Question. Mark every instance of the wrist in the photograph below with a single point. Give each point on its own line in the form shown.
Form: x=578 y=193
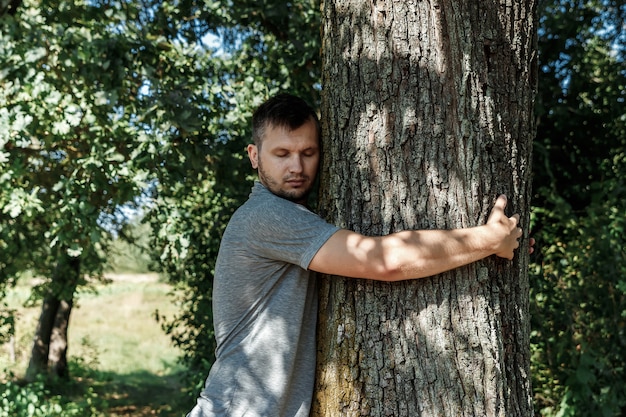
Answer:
x=489 y=240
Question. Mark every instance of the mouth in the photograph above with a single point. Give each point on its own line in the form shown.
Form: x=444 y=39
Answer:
x=296 y=182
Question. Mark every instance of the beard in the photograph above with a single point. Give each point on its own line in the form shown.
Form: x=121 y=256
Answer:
x=298 y=195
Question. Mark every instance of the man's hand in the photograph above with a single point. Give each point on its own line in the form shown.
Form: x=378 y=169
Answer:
x=505 y=230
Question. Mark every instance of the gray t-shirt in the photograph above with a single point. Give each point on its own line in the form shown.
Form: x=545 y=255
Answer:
x=265 y=311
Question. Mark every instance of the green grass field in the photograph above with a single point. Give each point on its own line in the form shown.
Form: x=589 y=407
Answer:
x=117 y=344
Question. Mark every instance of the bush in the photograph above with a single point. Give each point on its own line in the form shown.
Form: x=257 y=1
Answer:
x=578 y=295
x=36 y=400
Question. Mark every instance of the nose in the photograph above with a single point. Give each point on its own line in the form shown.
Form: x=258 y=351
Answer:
x=295 y=164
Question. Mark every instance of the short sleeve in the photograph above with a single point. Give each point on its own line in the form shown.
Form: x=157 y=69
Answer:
x=289 y=232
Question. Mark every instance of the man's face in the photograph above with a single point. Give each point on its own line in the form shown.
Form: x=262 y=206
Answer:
x=287 y=161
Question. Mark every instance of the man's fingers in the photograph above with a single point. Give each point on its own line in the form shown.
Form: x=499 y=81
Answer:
x=501 y=202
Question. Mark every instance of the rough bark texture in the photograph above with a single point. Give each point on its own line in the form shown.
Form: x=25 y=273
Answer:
x=59 y=340
x=38 y=362
x=426 y=118
x=49 y=352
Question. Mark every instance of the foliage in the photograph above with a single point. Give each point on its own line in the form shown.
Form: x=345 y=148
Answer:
x=97 y=102
x=7 y=322
x=107 y=103
x=64 y=146
x=65 y=143
x=580 y=295
x=35 y=400
x=578 y=278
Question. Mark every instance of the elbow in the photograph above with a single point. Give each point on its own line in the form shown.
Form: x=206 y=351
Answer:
x=388 y=265
x=393 y=270
x=390 y=271
x=381 y=259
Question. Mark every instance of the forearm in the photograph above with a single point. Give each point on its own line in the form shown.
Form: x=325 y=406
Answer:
x=418 y=253
x=423 y=253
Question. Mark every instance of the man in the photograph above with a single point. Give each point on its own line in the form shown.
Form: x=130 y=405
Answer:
x=264 y=295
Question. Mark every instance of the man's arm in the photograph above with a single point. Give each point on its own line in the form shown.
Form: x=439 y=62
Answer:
x=418 y=253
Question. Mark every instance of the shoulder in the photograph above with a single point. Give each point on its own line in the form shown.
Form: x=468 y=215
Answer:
x=268 y=214
x=278 y=229
x=265 y=206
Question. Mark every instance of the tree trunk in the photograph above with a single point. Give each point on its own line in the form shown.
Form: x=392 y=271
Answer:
x=38 y=363
x=59 y=342
x=426 y=119
x=49 y=352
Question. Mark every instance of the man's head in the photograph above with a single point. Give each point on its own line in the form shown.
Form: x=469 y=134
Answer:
x=286 y=147
x=282 y=110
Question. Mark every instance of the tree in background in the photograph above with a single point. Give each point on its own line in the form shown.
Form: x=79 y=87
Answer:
x=427 y=115
x=64 y=151
x=578 y=279
x=94 y=109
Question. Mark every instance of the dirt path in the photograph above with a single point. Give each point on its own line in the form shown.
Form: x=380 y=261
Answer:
x=131 y=277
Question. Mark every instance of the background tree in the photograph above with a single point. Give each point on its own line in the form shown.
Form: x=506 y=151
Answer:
x=427 y=117
x=109 y=101
x=95 y=108
x=64 y=149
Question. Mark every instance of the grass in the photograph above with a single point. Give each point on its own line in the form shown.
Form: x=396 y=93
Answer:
x=116 y=345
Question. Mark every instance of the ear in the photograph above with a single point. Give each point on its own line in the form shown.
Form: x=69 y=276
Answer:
x=253 y=154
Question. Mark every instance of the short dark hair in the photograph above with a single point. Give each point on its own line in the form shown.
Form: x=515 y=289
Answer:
x=282 y=110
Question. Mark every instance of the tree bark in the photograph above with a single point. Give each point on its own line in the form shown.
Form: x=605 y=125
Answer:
x=49 y=352
x=57 y=360
x=38 y=363
x=59 y=341
x=426 y=119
